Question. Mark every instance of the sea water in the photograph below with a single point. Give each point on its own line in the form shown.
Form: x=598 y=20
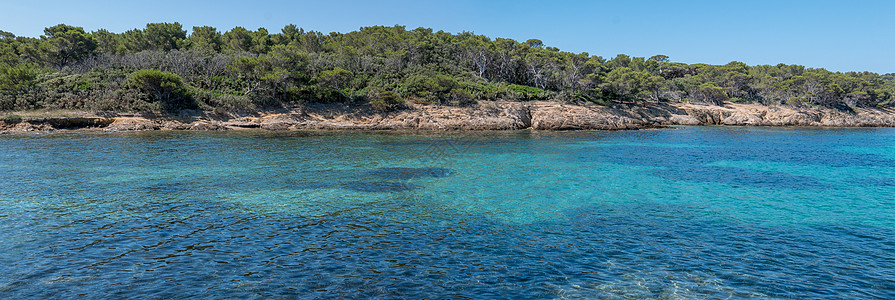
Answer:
x=689 y=212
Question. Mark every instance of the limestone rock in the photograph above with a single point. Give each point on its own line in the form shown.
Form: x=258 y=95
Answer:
x=25 y=127
x=207 y=126
x=132 y=124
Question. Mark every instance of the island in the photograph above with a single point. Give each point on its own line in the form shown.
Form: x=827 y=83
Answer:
x=390 y=78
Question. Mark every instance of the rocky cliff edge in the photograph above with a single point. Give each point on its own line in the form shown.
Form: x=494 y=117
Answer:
x=486 y=115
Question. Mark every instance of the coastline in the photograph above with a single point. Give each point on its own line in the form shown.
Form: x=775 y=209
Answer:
x=486 y=115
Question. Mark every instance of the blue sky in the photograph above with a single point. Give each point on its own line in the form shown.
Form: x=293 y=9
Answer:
x=839 y=36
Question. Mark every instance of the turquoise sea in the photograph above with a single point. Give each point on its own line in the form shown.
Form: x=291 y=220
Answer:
x=689 y=212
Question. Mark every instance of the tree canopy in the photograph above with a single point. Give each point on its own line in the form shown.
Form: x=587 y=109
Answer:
x=68 y=67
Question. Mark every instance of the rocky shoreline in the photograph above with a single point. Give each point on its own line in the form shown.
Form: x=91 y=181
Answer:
x=487 y=115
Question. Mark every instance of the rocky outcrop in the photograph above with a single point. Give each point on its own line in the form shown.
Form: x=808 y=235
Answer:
x=487 y=115
x=277 y=122
x=132 y=124
x=30 y=125
x=759 y=115
x=553 y=116
x=241 y=124
x=207 y=126
x=21 y=127
x=165 y=124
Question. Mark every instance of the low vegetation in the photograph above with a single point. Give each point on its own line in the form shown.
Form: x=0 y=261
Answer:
x=161 y=68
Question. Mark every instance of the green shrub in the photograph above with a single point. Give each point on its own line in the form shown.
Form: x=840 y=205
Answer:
x=710 y=93
x=385 y=101
x=18 y=77
x=11 y=118
x=167 y=88
x=299 y=94
x=593 y=96
x=460 y=97
x=485 y=91
x=430 y=88
x=336 y=79
x=796 y=101
x=209 y=100
x=527 y=93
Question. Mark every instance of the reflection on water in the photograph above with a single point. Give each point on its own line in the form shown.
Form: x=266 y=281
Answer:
x=694 y=212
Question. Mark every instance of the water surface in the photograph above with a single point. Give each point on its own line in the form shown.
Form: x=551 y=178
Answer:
x=692 y=212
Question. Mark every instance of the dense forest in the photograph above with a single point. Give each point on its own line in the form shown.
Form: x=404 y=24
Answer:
x=161 y=68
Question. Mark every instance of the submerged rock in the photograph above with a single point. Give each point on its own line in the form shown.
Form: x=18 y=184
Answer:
x=378 y=186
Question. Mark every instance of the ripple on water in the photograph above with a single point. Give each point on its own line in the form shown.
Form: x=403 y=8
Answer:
x=378 y=186
x=527 y=215
x=411 y=173
x=742 y=177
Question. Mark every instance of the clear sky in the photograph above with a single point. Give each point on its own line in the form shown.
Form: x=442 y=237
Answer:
x=837 y=35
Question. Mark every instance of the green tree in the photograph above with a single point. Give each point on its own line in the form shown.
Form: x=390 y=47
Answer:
x=260 y=41
x=261 y=75
x=63 y=44
x=336 y=79
x=107 y=42
x=535 y=43
x=8 y=52
x=18 y=77
x=237 y=39
x=167 y=88
x=627 y=83
x=290 y=35
x=134 y=41
x=659 y=58
x=710 y=93
x=385 y=101
x=205 y=38
x=620 y=61
x=164 y=36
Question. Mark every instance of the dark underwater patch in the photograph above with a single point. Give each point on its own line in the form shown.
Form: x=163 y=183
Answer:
x=410 y=173
x=877 y=181
x=378 y=186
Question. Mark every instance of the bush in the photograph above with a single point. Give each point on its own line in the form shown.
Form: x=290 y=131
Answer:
x=11 y=118
x=167 y=88
x=18 y=77
x=710 y=93
x=593 y=96
x=336 y=79
x=460 y=97
x=385 y=101
x=796 y=101
x=430 y=88
x=527 y=93
x=222 y=102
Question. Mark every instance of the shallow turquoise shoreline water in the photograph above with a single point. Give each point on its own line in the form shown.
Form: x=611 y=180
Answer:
x=691 y=212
